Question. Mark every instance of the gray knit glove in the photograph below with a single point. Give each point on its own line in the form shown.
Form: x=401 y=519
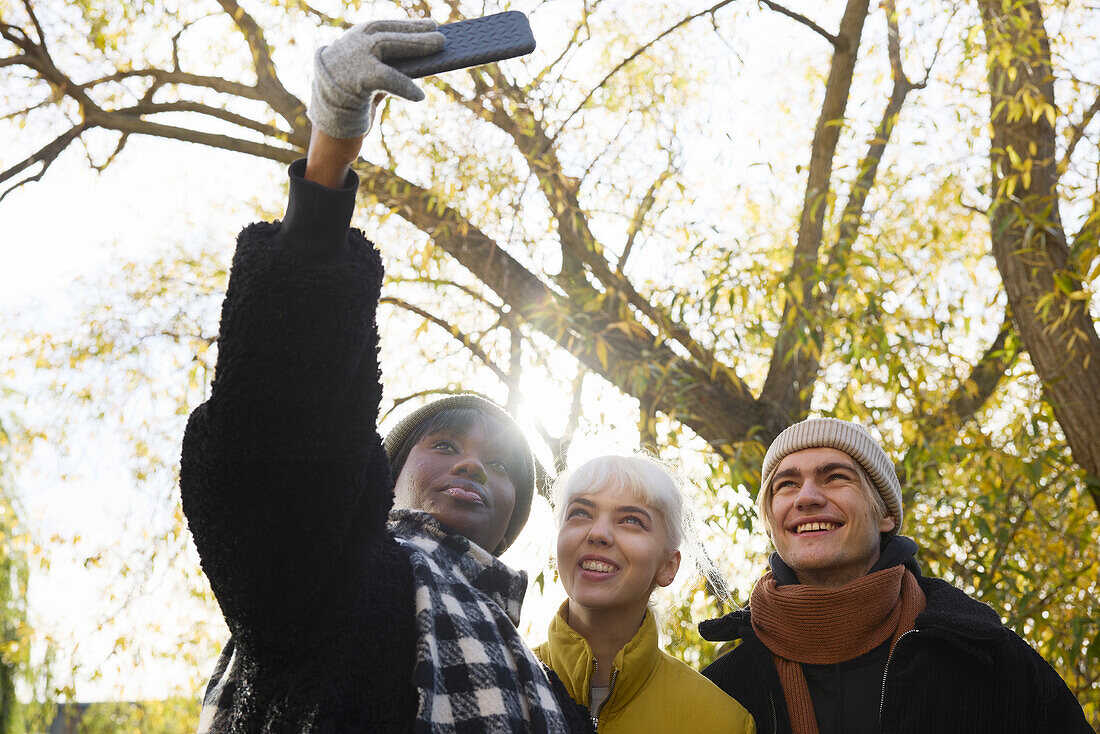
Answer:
x=349 y=73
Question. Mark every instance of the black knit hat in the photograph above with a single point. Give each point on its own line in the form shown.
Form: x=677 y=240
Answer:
x=524 y=480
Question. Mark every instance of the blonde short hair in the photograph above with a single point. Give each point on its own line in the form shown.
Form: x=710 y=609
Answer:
x=647 y=478
x=654 y=483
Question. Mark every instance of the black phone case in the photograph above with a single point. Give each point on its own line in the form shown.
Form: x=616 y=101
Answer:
x=473 y=42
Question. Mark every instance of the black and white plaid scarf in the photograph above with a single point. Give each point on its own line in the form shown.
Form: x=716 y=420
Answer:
x=473 y=671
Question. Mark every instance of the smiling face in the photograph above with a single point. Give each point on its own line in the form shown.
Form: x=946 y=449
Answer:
x=461 y=477
x=612 y=551
x=823 y=522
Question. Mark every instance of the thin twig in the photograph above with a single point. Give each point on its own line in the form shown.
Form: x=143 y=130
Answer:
x=465 y=339
x=1077 y=132
x=638 y=52
x=798 y=17
x=37 y=25
x=640 y=214
x=45 y=155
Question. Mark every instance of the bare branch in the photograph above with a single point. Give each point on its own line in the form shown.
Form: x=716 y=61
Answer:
x=852 y=215
x=793 y=367
x=45 y=155
x=515 y=362
x=705 y=357
x=37 y=26
x=571 y=46
x=25 y=111
x=974 y=391
x=161 y=77
x=419 y=394
x=479 y=297
x=286 y=104
x=625 y=62
x=640 y=214
x=138 y=126
x=559 y=445
x=578 y=243
x=324 y=18
x=893 y=43
x=798 y=17
x=21 y=59
x=1077 y=132
x=466 y=340
x=201 y=109
x=101 y=167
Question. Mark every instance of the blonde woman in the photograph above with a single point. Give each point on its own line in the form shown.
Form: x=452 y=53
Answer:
x=621 y=521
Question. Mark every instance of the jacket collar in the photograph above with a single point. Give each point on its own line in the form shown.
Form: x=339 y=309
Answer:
x=462 y=557
x=570 y=656
x=953 y=616
x=949 y=613
x=893 y=550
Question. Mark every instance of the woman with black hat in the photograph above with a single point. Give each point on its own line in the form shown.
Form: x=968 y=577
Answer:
x=346 y=617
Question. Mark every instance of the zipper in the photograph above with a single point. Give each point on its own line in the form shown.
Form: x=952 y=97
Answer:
x=886 y=670
x=775 y=719
x=595 y=715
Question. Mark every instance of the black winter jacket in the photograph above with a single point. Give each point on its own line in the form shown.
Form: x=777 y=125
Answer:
x=959 y=670
x=286 y=486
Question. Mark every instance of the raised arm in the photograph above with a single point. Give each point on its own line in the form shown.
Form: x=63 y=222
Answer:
x=283 y=478
x=329 y=160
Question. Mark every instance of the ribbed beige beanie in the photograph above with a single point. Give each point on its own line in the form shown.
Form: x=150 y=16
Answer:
x=851 y=438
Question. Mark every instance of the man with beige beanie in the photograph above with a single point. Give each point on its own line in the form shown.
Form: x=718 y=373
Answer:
x=844 y=634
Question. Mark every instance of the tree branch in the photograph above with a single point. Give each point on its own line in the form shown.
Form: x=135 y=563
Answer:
x=577 y=239
x=286 y=104
x=1050 y=306
x=154 y=108
x=463 y=338
x=101 y=167
x=788 y=386
x=161 y=77
x=138 y=126
x=599 y=340
x=640 y=214
x=45 y=155
x=559 y=445
x=324 y=18
x=798 y=17
x=1077 y=132
x=475 y=295
x=20 y=60
x=37 y=26
x=515 y=362
x=625 y=62
x=571 y=46
x=969 y=397
x=851 y=219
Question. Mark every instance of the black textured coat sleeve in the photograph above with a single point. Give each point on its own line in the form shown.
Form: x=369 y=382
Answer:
x=283 y=478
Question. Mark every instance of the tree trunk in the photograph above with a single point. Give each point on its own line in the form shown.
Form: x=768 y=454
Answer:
x=1049 y=305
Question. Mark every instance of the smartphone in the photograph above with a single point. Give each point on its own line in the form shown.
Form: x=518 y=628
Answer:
x=473 y=42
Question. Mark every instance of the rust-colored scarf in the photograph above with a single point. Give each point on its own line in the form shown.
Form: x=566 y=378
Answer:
x=807 y=624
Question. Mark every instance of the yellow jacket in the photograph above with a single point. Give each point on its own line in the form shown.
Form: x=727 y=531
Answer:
x=650 y=690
